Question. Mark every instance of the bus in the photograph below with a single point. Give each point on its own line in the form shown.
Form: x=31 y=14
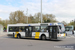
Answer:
x=37 y=31
x=69 y=30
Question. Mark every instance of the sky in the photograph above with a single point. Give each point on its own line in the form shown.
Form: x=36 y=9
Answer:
x=64 y=10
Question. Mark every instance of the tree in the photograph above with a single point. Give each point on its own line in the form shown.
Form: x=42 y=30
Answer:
x=47 y=18
x=37 y=18
x=31 y=19
x=64 y=22
x=17 y=17
x=71 y=23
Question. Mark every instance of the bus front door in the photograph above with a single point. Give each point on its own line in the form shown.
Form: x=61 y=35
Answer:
x=28 y=31
x=53 y=32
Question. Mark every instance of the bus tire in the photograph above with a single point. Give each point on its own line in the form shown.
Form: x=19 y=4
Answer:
x=13 y=35
x=19 y=36
x=43 y=37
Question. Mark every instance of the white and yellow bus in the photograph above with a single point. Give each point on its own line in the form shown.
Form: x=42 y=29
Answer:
x=38 y=31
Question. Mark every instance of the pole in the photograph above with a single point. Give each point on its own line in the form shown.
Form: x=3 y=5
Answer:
x=27 y=15
x=41 y=11
x=74 y=23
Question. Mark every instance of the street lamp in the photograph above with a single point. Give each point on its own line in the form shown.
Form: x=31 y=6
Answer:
x=41 y=11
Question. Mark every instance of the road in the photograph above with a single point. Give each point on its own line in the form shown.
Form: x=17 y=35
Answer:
x=9 y=43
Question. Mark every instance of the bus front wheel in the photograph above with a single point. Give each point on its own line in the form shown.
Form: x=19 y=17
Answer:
x=43 y=37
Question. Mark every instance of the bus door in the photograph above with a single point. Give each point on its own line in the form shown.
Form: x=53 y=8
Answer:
x=53 y=30
x=28 y=31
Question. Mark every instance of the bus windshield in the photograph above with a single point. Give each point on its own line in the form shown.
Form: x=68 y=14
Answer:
x=61 y=27
x=60 y=30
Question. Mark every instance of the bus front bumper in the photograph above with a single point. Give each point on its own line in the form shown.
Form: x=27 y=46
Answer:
x=63 y=37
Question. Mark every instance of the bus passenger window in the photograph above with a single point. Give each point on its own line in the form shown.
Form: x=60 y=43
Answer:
x=10 y=29
x=22 y=29
x=13 y=29
x=16 y=28
x=44 y=29
x=36 y=29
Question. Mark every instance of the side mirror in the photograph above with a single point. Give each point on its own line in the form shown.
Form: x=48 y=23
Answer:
x=58 y=31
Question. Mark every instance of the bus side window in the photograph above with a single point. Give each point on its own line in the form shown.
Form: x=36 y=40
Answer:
x=16 y=29
x=21 y=29
x=10 y=29
x=44 y=29
x=36 y=29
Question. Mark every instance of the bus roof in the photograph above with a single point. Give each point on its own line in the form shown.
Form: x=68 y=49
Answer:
x=34 y=24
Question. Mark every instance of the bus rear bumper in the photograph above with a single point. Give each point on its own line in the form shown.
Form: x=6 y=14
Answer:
x=9 y=34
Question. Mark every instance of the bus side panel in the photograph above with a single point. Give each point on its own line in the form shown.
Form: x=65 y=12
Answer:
x=69 y=32
x=35 y=35
x=16 y=33
x=45 y=33
x=22 y=34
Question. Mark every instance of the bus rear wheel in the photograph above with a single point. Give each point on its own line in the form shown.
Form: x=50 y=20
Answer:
x=43 y=37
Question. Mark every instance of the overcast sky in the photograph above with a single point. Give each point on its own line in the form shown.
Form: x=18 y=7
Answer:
x=64 y=10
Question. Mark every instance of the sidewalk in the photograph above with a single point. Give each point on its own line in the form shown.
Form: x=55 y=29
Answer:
x=3 y=33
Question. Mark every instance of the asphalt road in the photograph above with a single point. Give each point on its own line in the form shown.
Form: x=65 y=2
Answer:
x=9 y=43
